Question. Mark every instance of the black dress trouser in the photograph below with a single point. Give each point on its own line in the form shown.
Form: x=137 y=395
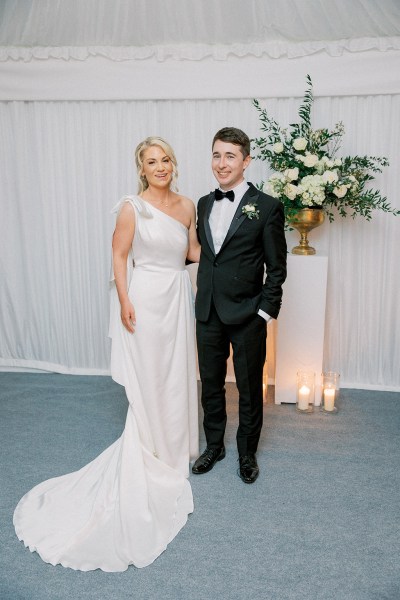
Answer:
x=249 y=349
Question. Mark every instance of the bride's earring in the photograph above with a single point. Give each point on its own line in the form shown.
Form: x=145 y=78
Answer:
x=143 y=180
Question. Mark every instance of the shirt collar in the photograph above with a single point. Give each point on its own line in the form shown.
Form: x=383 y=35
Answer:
x=240 y=189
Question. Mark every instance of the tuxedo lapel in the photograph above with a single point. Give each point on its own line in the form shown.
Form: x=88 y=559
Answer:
x=239 y=217
x=207 y=228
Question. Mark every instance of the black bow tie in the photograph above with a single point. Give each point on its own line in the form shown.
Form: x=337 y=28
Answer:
x=220 y=194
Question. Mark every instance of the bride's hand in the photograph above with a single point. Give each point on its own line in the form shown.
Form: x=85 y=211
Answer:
x=128 y=317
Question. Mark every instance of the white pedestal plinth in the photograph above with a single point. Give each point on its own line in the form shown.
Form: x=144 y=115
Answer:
x=301 y=325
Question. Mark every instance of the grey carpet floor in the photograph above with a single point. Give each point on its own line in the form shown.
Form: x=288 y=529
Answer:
x=321 y=522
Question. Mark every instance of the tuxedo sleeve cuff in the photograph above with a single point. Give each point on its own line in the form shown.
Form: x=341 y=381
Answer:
x=264 y=315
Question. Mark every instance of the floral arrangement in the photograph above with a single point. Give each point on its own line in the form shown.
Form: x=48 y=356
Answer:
x=251 y=211
x=308 y=172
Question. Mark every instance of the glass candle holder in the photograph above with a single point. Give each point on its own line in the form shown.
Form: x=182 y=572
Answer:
x=305 y=391
x=330 y=392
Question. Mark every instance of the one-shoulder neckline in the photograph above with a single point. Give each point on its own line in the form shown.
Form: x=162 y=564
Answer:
x=164 y=213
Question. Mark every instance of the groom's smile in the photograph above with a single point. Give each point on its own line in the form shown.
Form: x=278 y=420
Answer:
x=228 y=164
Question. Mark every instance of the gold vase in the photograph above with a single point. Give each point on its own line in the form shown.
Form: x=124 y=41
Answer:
x=303 y=221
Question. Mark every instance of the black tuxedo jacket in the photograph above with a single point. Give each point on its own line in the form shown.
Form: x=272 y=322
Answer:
x=234 y=278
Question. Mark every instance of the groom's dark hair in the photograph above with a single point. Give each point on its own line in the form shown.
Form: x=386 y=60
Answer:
x=232 y=135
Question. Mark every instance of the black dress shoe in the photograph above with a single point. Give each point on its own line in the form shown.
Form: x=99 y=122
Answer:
x=248 y=468
x=207 y=460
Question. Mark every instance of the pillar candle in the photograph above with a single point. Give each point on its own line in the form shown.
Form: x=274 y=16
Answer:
x=304 y=397
x=329 y=399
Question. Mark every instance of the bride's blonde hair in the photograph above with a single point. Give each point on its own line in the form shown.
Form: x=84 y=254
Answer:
x=140 y=149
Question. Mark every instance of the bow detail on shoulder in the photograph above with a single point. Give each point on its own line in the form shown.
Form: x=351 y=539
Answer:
x=136 y=202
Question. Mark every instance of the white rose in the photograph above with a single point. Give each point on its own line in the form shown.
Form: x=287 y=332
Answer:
x=337 y=162
x=277 y=147
x=330 y=177
x=340 y=191
x=310 y=160
x=290 y=191
x=329 y=163
x=300 y=143
x=292 y=174
x=249 y=208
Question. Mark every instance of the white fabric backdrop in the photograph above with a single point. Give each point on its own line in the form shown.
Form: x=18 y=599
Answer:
x=98 y=78
x=194 y=29
x=64 y=165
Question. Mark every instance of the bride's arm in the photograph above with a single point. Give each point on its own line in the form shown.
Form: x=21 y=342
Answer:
x=194 y=246
x=121 y=244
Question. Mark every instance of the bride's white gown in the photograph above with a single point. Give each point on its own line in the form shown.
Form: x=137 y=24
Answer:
x=126 y=505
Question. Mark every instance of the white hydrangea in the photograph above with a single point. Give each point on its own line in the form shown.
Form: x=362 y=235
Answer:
x=274 y=185
x=312 y=190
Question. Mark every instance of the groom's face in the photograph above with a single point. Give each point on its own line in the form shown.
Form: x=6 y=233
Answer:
x=228 y=164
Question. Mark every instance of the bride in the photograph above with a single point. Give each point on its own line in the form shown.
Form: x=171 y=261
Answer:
x=125 y=506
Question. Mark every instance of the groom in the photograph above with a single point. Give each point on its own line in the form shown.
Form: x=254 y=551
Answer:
x=241 y=231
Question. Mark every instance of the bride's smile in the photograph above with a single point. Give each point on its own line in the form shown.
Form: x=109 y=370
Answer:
x=157 y=167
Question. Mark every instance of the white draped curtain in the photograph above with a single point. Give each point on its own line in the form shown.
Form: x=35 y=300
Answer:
x=70 y=125
x=194 y=29
x=64 y=165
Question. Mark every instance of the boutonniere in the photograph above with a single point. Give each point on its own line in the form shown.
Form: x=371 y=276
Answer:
x=251 y=211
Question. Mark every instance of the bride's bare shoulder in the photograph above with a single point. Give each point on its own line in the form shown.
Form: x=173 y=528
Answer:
x=187 y=203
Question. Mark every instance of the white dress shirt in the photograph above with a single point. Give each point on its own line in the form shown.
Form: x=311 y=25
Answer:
x=222 y=214
x=220 y=220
